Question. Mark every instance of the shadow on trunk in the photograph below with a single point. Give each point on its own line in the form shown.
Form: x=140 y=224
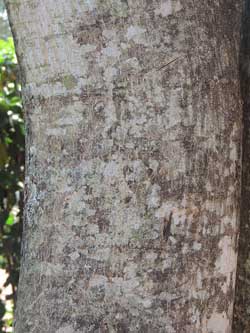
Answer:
x=241 y=320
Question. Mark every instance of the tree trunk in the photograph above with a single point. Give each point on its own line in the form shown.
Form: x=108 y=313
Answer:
x=133 y=117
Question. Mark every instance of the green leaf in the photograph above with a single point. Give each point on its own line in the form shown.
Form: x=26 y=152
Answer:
x=10 y=220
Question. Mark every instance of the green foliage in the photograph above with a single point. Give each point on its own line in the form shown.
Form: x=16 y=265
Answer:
x=11 y=169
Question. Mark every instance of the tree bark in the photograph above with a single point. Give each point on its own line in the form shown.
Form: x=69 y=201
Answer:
x=133 y=117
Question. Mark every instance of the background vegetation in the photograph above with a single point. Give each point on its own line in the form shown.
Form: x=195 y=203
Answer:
x=11 y=169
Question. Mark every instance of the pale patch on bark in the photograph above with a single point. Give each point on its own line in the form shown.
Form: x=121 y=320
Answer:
x=168 y=8
x=218 y=323
x=137 y=34
x=66 y=329
x=226 y=262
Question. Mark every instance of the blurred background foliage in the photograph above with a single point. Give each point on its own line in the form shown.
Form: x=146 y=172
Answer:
x=4 y=24
x=11 y=172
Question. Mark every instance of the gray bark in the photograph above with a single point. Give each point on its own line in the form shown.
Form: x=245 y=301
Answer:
x=133 y=116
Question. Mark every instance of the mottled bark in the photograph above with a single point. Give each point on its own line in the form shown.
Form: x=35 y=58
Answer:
x=133 y=115
x=242 y=296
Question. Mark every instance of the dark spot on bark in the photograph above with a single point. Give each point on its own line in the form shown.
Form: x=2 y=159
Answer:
x=127 y=170
x=127 y=200
x=112 y=130
x=132 y=185
x=120 y=90
x=167 y=227
x=89 y=190
x=150 y=172
x=88 y=34
x=104 y=327
x=100 y=218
